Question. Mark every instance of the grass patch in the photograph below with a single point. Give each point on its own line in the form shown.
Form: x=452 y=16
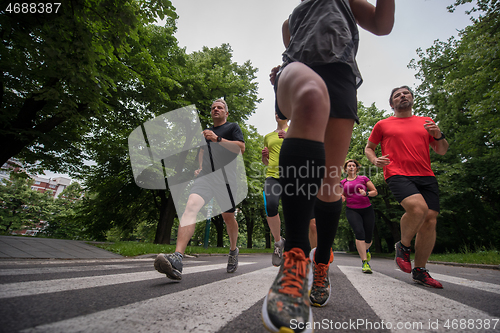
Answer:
x=132 y=249
x=491 y=257
x=484 y=257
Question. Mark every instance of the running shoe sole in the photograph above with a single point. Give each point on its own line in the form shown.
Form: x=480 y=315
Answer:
x=164 y=266
x=271 y=328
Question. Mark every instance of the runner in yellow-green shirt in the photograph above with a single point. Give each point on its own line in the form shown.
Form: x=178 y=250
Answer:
x=272 y=189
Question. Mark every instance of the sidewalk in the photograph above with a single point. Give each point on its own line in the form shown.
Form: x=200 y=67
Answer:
x=17 y=247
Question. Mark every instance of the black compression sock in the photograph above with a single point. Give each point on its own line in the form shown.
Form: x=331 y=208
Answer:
x=301 y=171
x=327 y=216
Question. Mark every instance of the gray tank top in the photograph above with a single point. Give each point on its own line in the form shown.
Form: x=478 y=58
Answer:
x=323 y=32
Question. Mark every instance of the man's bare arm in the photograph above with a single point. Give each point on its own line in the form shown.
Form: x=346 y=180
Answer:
x=378 y=19
x=379 y=162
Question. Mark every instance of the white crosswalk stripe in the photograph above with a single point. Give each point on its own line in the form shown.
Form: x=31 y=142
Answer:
x=49 y=270
x=202 y=309
x=52 y=286
x=57 y=269
x=395 y=303
x=221 y=305
x=489 y=287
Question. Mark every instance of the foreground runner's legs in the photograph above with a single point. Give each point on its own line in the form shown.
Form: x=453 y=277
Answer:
x=302 y=96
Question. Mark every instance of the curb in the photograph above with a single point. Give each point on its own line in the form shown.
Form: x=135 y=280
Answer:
x=194 y=255
x=483 y=266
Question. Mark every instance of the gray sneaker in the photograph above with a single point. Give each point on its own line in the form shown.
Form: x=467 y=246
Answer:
x=232 y=261
x=277 y=257
x=170 y=264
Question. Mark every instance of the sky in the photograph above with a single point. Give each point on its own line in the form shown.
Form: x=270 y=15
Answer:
x=253 y=29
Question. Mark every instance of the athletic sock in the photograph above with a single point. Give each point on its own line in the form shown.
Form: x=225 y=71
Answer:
x=301 y=171
x=327 y=216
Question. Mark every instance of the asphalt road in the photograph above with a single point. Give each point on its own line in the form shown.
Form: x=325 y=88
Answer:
x=128 y=295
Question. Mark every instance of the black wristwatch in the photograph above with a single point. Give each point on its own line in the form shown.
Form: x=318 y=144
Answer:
x=441 y=138
x=219 y=139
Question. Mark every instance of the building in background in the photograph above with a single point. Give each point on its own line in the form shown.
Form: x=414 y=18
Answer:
x=12 y=165
x=41 y=184
x=55 y=185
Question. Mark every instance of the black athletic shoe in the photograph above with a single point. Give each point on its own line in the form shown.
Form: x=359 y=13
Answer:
x=421 y=275
x=232 y=261
x=402 y=258
x=170 y=264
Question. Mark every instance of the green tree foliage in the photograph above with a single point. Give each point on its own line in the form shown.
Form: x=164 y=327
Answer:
x=22 y=207
x=114 y=200
x=460 y=89
x=253 y=221
x=58 y=71
x=62 y=222
x=210 y=74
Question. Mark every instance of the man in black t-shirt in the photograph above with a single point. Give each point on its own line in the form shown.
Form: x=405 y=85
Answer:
x=224 y=143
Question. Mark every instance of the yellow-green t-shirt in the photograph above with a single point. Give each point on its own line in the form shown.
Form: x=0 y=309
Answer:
x=273 y=143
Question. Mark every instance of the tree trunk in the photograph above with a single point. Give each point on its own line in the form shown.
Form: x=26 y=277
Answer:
x=218 y=221
x=376 y=240
x=393 y=227
x=250 y=222
x=167 y=215
x=351 y=246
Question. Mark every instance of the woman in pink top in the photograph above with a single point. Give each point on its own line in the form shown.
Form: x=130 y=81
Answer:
x=359 y=211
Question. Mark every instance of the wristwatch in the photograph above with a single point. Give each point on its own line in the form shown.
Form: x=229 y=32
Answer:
x=219 y=139
x=441 y=138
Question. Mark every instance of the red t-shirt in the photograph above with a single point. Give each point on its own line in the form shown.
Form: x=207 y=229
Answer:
x=407 y=143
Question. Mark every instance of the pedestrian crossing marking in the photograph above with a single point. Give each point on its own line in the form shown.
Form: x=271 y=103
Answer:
x=205 y=308
x=51 y=286
x=394 y=299
x=403 y=301
x=51 y=270
x=71 y=269
x=485 y=286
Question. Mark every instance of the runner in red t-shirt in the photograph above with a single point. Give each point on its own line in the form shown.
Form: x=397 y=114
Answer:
x=405 y=140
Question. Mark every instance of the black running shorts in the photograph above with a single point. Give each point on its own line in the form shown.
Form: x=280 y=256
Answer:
x=404 y=186
x=341 y=84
